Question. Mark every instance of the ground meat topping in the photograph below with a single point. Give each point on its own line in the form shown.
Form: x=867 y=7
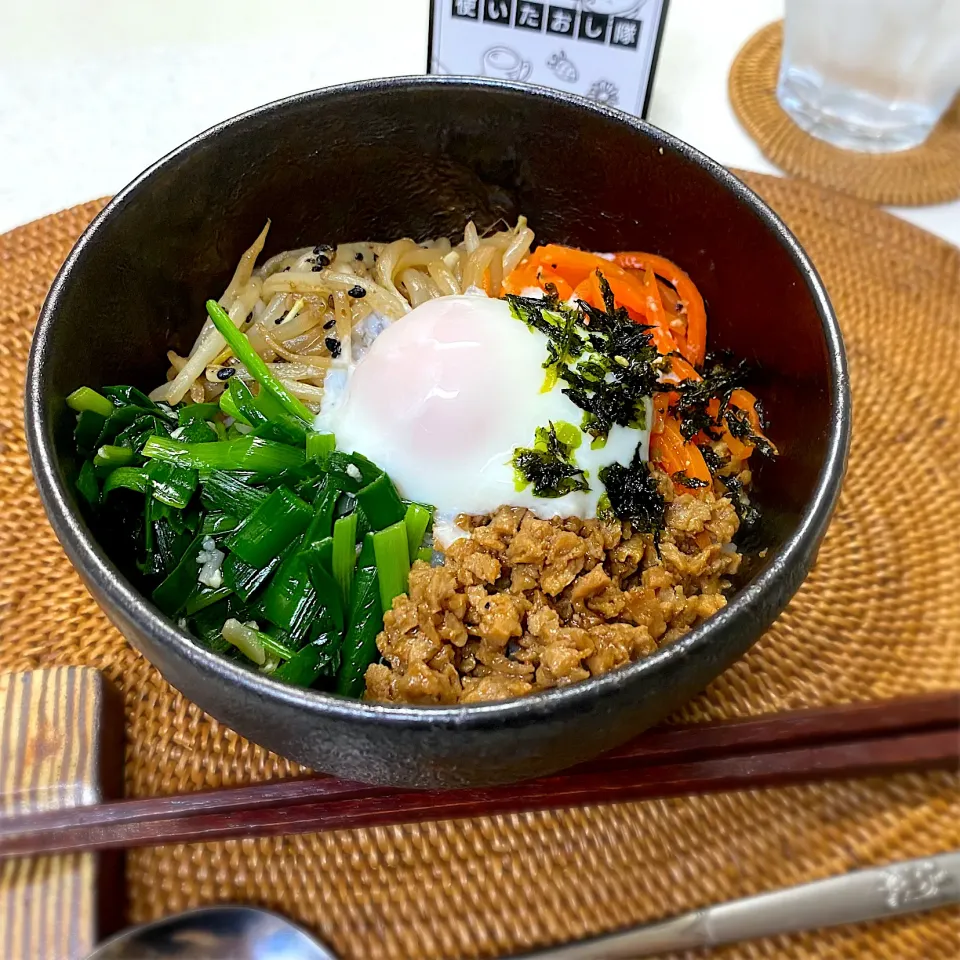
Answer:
x=525 y=604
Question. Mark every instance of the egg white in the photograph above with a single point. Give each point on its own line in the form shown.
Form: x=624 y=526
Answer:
x=443 y=398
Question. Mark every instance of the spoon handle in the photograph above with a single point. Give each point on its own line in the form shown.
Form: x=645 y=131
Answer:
x=910 y=886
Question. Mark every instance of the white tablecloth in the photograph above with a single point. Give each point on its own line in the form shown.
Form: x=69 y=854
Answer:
x=93 y=92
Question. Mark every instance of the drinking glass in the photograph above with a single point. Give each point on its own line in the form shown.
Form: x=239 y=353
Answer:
x=870 y=75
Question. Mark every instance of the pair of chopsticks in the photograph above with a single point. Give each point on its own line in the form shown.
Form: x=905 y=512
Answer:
x=856 y=740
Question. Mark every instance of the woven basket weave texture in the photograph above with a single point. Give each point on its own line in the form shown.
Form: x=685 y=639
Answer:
x=926 y=174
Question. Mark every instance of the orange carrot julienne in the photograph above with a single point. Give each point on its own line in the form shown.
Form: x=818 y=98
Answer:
x=576 y=266
x=695 y=337
x=548 y=277
x=674 y=455
x=669 y=450
x=661 y=404
x=747 y=402
x=531 y=274
x=654 y=303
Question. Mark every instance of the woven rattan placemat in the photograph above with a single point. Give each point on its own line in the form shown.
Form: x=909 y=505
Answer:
x=929 y=173
x=878 y=617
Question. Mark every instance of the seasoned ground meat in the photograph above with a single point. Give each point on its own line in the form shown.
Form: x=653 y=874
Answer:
x=524 y=604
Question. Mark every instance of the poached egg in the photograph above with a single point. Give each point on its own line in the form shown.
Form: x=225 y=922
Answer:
x=444 y=397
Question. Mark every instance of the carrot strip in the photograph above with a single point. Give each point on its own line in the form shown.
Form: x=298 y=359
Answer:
x=572 y=263
x=669 y=298
x=530 y=273
x=742 y=400
x=626 y=291
x=661 y=403
x=695 y=345
x=654 y=303
x=575 y=266
x=585 y=291
x=638 y=292
x=545 y=276
x=681 y=369
x=522 y=277
x=738 y=449
x=746 y=401
x=668 y=448
x=673 y=454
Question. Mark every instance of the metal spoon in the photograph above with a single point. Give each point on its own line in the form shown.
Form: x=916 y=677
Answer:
x=215 y=933
x=911 y=886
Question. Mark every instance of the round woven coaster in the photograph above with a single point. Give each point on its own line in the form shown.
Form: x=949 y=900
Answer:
x=878 y=617
x=929 y=173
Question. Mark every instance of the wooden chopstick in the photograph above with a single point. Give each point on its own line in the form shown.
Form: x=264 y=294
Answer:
x=854 y=740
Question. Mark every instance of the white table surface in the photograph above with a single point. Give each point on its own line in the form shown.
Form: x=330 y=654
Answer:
x=93 y=91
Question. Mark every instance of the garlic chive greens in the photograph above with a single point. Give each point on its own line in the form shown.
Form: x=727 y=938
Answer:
x=247 y=527
x=270 y=386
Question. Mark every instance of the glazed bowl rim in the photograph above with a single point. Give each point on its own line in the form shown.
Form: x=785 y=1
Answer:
x=119 y=593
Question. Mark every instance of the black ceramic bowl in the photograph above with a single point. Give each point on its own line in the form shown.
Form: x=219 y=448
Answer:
x=419 y=157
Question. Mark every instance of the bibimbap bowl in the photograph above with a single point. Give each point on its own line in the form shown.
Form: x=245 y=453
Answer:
x=420 y=158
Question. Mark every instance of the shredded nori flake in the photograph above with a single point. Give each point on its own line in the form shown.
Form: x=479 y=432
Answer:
x=622 y=366
x=738 y=423
x=692 y=408
x=531 y=309
x=761 y=413
x=549 y=466
x=693 y=483
x=715 y=463
x=634 y=495
x=749 y=515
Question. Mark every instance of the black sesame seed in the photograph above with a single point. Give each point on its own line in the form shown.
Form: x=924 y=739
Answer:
x=329 y=325
x=249 y=317
x=357 y=292
x=358 y=256
x=323 y=261
x=334 y=346
x=376 y=257
x=285 y=270
x=225 y=373
x=316 y=267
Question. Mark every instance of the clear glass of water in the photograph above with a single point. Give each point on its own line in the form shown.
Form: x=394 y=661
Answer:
x=870 y=75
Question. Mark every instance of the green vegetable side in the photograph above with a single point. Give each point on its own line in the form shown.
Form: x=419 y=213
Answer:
x=249 y=528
